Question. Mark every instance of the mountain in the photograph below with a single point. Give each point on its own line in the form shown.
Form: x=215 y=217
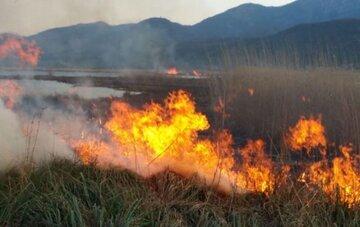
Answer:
x=252 y=20
x=154 y=43
x=334 y=43
x=143 y=45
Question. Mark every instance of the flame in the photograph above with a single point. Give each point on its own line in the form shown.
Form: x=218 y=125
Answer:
x=307 y=134
x=219 y=106
x=305 y=99
x=10 y=91
x=257 y=168
x=196 y=73
x=27 y=52
x=340 y=180
x=172 y=71
x=160 y=137
x=251 y=91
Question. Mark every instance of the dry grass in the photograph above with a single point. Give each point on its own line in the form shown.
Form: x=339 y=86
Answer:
x=277 y=103
x=63 y=193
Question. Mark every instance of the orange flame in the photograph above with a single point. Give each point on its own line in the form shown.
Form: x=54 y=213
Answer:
x=251 y=91
x=27 y=52
x=307 y=134
x=340 y=181
x=161 y=137
x=9 y=92
x=257 y=168
x=172 y=71
x=305 y=99
x=196 y=73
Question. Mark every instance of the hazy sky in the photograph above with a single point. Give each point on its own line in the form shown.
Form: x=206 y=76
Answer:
x=31 y=16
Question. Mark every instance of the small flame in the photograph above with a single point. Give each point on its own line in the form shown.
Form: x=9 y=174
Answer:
x=10 y=91
x=251 y=91
x=340 y=180
x=172 y=71
x=257 y=167
x=27 y=52
x=196 y=73
x=307 y=134
x=305 y=99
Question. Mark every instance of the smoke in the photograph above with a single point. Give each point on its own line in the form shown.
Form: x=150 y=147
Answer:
x=12 y=142
x=36 y=128
x=27 y=140
x=147 y=45
x=50 y=88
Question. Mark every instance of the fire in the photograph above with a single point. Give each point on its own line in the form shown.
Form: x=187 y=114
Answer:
x=307 y=134
x=160 y=129
x=251 y=91
x=257 y=168
x=305 y=99
x=340 y=180
x=27 y=52
x=10 y=91
x=196 y=73
x=172 y=71
x=160 y=137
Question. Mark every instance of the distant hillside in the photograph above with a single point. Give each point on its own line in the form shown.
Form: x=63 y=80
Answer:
x=335 y=43
x=153 y=43
x=252 y=20
x=147 y=44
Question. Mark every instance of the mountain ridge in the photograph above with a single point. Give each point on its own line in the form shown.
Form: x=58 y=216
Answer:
x=152 y=43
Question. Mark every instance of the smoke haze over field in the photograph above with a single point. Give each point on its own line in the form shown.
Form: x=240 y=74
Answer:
x=37 y=128
x=27 y=17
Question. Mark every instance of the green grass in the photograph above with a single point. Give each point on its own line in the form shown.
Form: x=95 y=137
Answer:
x=62 y=193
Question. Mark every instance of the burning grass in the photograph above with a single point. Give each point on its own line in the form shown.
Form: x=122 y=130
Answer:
x=270 y=175
x=158 y=137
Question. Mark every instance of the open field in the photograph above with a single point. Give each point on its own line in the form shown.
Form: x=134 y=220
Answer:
x=180 y=113
x=280 y=97
x=252 y=103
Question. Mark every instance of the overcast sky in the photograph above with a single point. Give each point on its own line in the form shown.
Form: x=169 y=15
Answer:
x=31 y=16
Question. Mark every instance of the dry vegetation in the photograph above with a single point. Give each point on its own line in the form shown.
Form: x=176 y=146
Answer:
x=259 y=103
x=282 y=96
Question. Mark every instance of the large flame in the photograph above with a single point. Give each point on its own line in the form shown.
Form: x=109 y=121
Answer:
x=161 y=137
x=340 y=180
x=307 y=134
x=27 y=52
x=10 y=91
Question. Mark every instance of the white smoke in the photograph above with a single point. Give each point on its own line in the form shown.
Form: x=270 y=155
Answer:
x=37 y=138
x=47 y=88
x=12 y=141
x=24 y=140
